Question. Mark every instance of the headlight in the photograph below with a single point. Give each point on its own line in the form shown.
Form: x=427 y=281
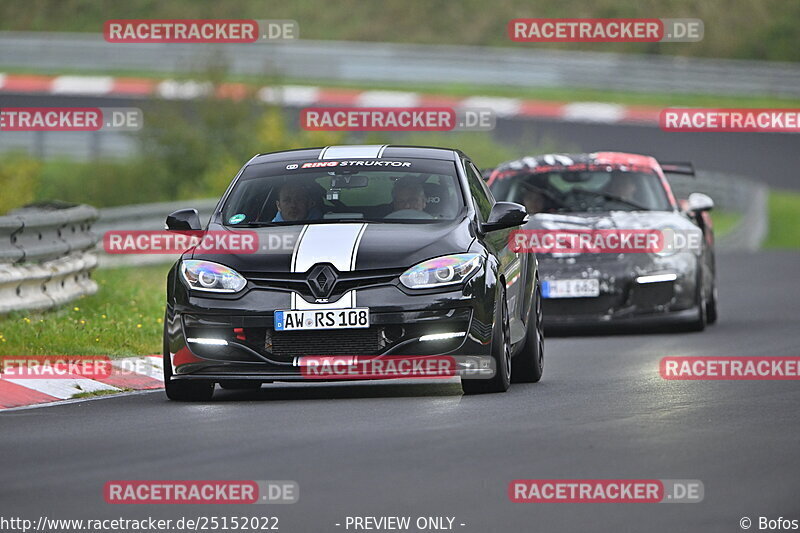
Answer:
x=680 y=240
x=441 y=271
x=211 y=277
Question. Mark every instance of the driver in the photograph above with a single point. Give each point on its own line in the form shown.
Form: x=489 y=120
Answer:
x=296 y=203
x=408 y=194
x=623 y=185
x=534 y=200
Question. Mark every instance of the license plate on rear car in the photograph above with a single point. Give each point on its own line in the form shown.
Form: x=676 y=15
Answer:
x=571 y=288
x=326 y=319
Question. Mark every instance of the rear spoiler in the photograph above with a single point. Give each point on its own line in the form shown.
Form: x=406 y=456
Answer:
x=685 y=168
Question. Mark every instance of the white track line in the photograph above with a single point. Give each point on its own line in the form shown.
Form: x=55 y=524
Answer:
x=78 y=400
x=63 y=388
x=97 y=85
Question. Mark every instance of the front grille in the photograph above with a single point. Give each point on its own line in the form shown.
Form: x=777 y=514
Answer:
x=342 y=281
x=326 y=342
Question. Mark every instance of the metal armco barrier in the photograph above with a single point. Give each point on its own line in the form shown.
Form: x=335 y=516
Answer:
x=46 y=257
x=144 y=217
x=519 y=66
x=733 y=194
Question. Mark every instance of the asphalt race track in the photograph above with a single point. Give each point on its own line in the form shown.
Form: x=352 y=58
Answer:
x=602 y=411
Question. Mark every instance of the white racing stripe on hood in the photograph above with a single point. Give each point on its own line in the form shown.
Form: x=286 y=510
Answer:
x=364 y=151
x=336 y=244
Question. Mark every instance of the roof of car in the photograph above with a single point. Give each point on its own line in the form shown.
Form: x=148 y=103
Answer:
x=363 y=151
x=547 y=162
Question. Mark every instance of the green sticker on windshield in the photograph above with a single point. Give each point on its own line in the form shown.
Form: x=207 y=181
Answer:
x=235 y=219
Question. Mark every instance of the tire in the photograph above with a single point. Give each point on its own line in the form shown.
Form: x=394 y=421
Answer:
x=183 y=391
x=529 y=363
x=240 y=385
x=501 y=353
x=699 y=323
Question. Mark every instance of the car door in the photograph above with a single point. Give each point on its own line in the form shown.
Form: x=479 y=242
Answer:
x=511 y=263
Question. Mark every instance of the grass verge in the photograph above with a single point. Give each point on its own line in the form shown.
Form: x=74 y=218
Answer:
x=124 y=318
x=724 y=222
x=93 y=394
x=784 y=220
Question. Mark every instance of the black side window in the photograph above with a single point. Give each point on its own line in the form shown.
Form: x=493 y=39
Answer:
x=479 y=191
x=482 y=181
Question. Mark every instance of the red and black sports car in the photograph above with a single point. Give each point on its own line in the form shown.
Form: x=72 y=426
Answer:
x=603 y=191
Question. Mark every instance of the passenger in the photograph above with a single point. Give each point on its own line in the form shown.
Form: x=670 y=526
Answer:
x=408 y=195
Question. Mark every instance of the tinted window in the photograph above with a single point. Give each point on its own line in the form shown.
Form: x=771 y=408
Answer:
x=407 y=191
x=479 y=191
x=580 y=191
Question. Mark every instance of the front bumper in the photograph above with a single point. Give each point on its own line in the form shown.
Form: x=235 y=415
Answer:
x=623 y=299
x=255 y=351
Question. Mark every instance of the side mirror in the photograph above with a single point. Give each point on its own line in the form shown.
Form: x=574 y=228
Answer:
x=699 y=202
x=183 y=220
x=505 y=215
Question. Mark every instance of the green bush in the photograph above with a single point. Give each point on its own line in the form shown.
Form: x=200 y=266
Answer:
x=103 y=183
x=19 y=176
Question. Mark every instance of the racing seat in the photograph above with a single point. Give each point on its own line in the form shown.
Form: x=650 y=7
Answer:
x=439 y=201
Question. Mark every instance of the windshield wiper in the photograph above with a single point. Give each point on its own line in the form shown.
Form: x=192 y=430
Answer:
x=545 y=192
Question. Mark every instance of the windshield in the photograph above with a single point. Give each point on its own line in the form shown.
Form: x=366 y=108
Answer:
x=304 y=192
x=582 y=191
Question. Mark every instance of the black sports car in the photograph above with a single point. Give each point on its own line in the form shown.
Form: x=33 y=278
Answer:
x=365 y=252
x=672 y=282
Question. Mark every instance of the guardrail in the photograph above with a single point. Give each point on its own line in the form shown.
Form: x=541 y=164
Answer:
x=46 y=257
x=731 y=193
x=521 y=66
x=144 y=217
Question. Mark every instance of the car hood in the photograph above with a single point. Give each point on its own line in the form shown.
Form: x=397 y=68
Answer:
x=620 y=220
x=347 y=246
